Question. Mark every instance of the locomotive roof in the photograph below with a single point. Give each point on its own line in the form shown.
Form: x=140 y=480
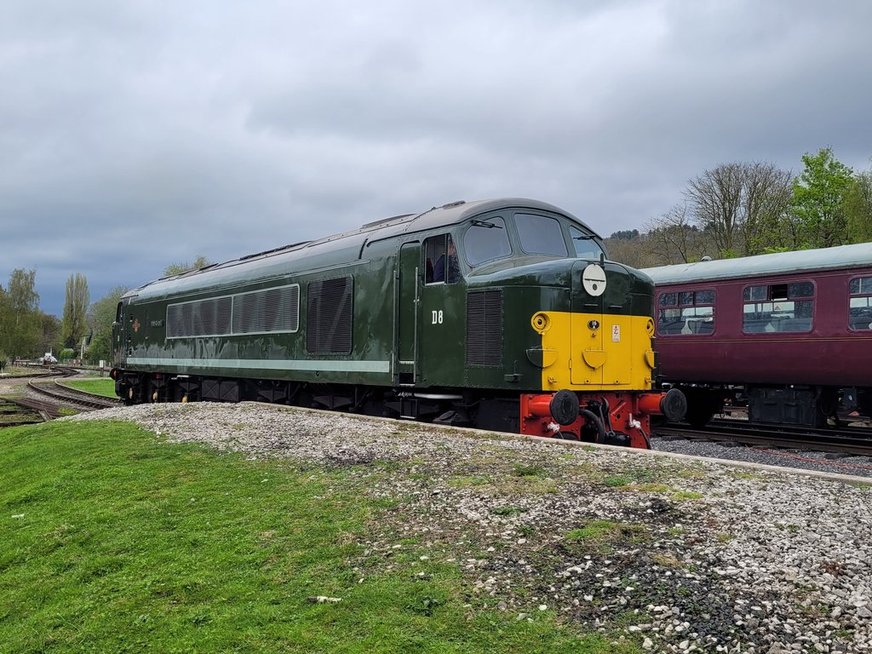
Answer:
x=332 y=250
x=841 y=257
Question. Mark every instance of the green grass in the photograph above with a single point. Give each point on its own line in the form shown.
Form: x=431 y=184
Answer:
x=102 y=386
x=594 y=530
x=111 y=541
x=19 y=371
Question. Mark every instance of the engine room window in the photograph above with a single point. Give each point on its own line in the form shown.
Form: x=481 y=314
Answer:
x=486 y=240
x=540 y=235
x=200 y=318
x=441 y=265
x=274 y=310
x=860 y=304
x=775 y=308
x=263 y=312
x=586 y=247
x=688 y=312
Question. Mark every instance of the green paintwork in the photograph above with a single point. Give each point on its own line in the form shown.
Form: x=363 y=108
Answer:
x=404 y=331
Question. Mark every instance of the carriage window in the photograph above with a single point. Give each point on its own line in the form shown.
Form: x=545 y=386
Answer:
x=777 y=308
x=540 y=235
x=688 y=312
x=860 y=307
x=486 y=240
x=441 y=265
x=585 y=245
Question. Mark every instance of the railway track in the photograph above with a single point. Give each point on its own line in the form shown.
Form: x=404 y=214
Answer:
x=845 y=440
x=13 y=414
x=53 y=397
x=46 y=400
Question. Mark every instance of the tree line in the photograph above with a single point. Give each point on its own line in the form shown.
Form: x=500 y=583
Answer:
x=84 y=332
x=742 y=209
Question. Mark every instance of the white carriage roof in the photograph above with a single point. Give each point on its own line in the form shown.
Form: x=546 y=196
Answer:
x=844 y=256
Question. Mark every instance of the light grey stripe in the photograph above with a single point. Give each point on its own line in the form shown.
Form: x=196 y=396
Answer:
x=330 y=365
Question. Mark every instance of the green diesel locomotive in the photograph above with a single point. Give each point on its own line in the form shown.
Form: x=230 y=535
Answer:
x=500 y=314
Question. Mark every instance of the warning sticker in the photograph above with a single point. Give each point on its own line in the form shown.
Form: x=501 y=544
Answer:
x=616 y=333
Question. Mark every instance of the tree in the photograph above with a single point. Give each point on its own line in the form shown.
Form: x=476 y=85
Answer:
x=737 y=203
x=625 y=235
x=50 y=329
x=19 y=315
x=75 y=323
x=819 y=196
x=715 y=198
x=628 y=251
x=179 y=268
x=766 y=221
x=672 y=239
x=858 y=208
x=100 y=318
x=4 y=321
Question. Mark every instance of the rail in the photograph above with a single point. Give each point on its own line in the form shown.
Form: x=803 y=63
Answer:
x=845 y=440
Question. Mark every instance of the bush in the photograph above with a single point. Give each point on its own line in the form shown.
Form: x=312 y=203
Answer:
x=67 y=354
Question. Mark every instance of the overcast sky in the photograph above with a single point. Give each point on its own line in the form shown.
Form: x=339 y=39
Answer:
x=136 y=134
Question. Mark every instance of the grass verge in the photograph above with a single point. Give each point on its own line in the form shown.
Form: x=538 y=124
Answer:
x=113 y=541
x=102 y=386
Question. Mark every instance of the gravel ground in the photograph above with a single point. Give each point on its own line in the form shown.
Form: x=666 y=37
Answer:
x=860 y=466
x=677 y=554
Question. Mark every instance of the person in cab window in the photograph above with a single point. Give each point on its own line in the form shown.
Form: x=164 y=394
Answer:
x=451 y=273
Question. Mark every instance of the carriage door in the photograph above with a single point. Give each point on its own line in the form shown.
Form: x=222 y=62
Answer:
x=407 y=301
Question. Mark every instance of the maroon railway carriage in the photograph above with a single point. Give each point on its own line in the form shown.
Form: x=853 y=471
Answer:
x=792 y=331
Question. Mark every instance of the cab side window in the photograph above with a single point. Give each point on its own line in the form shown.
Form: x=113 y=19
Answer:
x=440 y=260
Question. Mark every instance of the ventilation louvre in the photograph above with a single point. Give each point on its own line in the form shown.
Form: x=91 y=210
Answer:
x=484 y=334
x=328 y=322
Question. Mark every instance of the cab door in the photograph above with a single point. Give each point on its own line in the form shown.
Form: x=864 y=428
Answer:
x=407 y=312
x=441 y=315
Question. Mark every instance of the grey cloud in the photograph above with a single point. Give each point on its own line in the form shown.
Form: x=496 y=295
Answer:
x=138 y=134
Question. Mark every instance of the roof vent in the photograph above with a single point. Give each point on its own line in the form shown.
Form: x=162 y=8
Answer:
x=451 y=205
x=385 y=221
